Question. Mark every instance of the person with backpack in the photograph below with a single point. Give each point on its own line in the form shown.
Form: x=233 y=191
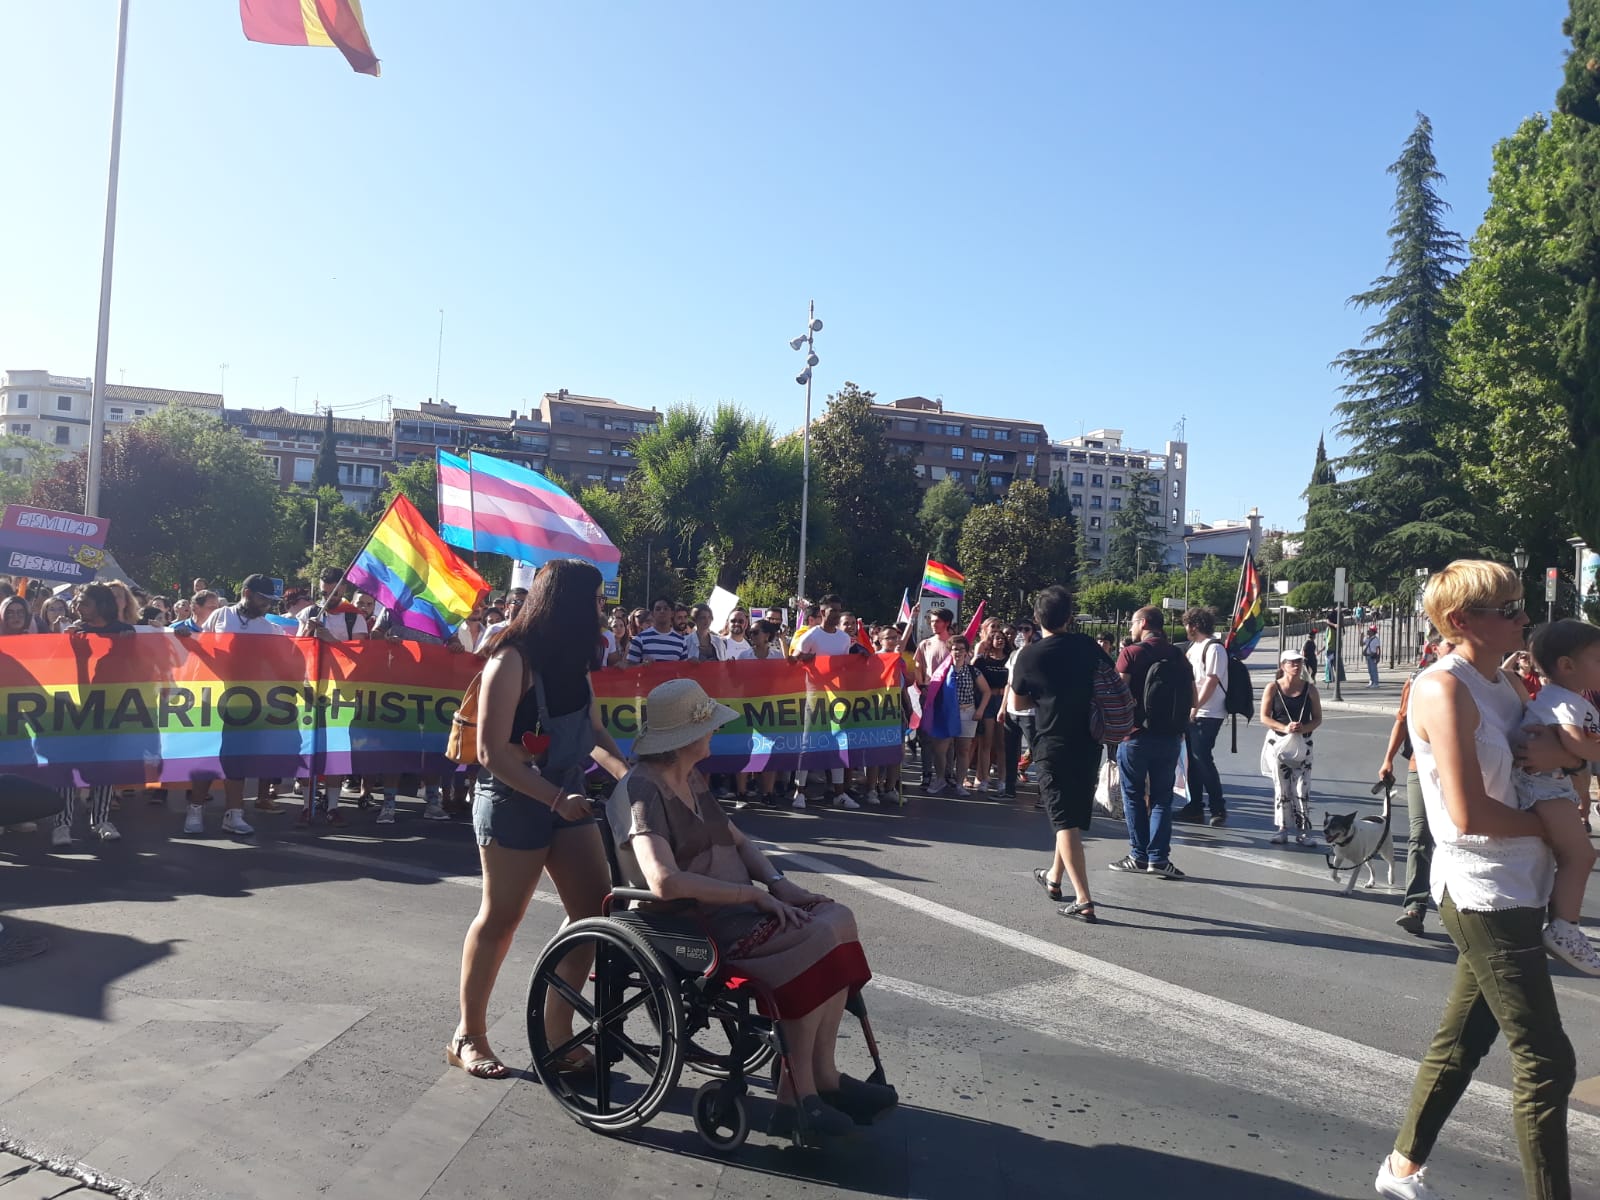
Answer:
x=1079 y=701
x=1208 y=659
x=1162 y=684
x=1372 y=651
x=1291 y=710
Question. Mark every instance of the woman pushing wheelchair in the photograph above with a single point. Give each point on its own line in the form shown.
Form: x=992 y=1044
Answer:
x=800 y=947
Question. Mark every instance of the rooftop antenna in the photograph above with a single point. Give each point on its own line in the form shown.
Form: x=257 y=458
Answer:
x=438 y=363
x=1181 y=427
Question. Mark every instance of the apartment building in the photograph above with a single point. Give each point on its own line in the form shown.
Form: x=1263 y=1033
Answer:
x=54 y=409
x=590 y=436
x=964 y=446
x=418 y=432
x=291 y=442
x=1100 y=474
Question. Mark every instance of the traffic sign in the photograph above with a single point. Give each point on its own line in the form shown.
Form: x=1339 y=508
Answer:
x=1341 y=589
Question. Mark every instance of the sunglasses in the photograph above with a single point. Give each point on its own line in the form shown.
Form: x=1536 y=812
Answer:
x=1507 y=611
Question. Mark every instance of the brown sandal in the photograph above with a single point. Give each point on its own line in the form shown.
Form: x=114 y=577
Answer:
x=574 y=1062
x=487 y=1066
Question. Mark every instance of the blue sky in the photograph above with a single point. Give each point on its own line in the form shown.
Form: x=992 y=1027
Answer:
x=1088 y=214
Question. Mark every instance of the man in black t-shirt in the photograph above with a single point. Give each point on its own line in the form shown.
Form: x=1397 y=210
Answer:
x=1057 y=673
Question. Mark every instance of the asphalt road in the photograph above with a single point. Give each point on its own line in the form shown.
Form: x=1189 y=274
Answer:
x=267 y=1018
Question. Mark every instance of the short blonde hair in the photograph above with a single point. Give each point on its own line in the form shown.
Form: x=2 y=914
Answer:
x=1468 y=583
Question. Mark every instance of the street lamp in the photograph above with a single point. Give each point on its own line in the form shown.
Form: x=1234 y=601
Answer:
x=1519 y=559
x=807 y=340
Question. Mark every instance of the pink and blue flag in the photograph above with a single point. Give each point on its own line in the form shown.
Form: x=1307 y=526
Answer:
x=519 y=513
x=454 y=491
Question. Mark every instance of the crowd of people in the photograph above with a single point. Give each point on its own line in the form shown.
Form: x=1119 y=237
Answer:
x=1500 y=735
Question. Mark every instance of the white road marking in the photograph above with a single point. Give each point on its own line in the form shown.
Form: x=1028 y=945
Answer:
x=1119 y=1010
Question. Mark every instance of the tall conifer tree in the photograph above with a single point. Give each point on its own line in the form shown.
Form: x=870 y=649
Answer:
x=1402 y=502
x=1580 y=341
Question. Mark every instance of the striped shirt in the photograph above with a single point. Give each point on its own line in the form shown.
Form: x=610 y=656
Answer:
x=651 y=645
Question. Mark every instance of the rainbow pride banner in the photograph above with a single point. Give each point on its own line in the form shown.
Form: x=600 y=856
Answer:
x=843 y=711
x=155 y=708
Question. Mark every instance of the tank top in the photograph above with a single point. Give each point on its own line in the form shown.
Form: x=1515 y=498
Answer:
x=1294 y=708
x=1483 y=874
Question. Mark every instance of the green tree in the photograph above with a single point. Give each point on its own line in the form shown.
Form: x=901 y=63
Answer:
x=1579 y=98
x=1403 y=502
x=1108 y=600
x=1011 y=549
x=327 y=469
x=1312 y=596
x=342 y=530
x=719 y=489
x=1326 y=542
x=944 y=508
x=872 y=491
x=1134 y=543
x=186 y=494
x=418 y=481
x=983 y=488
x=35 y=460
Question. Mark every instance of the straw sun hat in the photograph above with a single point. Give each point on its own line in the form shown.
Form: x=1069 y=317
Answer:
x=678 y=713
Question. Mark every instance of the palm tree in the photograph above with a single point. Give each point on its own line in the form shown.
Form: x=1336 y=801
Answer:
x=720 y=488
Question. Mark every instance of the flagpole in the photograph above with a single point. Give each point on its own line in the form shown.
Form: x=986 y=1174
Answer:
x=97 y=398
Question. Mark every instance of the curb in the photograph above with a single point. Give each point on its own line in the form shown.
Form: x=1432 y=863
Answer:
x=20 y=1159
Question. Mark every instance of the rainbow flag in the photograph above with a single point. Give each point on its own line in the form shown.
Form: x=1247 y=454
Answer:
x=311 y=23
x=409 y=570
x=521 y=514
x=942 y=580
x=453 y=488
x=1247 y=619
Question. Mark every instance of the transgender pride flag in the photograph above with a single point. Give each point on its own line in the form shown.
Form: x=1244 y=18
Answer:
x=521 y=514
x=454 y=490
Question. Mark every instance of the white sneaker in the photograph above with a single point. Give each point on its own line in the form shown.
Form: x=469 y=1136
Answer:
x=386 y=813
x=1280 y=837
x=799 y=800
x=108 y=832
x=435 y=809
x=233 y=822
x=935 y=789
x=873 y=798
x=1566 y=941
x=194 y=822
x=61 y=836
x=1412 y=1187
x=890 y=796
x=845 y=800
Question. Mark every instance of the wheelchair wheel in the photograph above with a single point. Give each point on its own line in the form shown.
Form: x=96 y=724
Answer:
x=763 y=1052
x=628 y=1016
x=723 y=1122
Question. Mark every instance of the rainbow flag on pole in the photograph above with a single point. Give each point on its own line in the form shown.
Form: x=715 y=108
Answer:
x=942 y=580
x=1247 y=619
x=453 y=488
x=409 y=570
x=311 y=23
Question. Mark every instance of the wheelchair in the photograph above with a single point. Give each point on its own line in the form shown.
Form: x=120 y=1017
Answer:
x=655 y=997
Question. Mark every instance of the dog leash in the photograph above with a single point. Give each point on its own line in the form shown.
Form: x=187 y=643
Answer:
x=1386 y=786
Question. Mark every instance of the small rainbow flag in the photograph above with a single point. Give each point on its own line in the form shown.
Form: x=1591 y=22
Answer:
x=942 y=580
x=413 y=574
x=1248 y=623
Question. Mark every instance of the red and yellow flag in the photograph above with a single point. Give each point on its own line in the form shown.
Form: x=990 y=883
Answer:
x=311 y=23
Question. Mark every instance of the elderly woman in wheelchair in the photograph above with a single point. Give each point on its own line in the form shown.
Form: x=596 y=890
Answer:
x=793 y=953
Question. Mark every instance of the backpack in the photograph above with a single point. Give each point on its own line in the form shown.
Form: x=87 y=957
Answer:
x=1111 y=704
x=461 y=747
x=1168 y=695
x=1241 y=700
